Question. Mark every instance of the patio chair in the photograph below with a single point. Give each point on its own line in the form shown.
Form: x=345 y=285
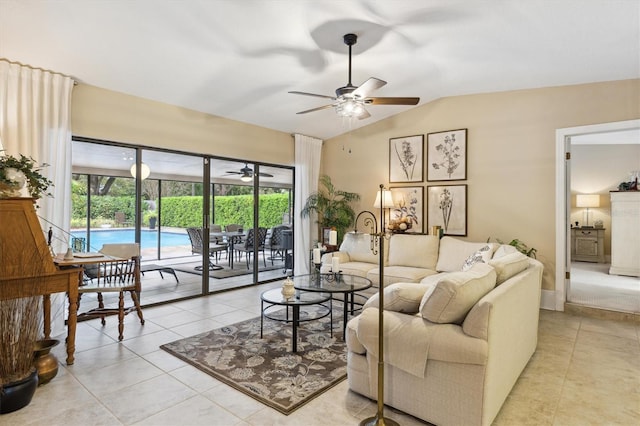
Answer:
x=219 y=240
x=276 y=242
x=195 y=235
x=114 y=276
x=121 y=219
x=247 y=247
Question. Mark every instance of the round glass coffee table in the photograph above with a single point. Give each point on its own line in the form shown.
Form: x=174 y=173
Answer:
x=274 y=298
x=333 y=283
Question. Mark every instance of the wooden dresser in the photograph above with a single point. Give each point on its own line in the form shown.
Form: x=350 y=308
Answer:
x=23 y=248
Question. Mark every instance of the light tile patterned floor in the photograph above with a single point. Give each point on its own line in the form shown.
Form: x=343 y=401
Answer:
x=585 y=372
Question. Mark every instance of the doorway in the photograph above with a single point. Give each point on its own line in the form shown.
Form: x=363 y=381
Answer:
x=589 y=283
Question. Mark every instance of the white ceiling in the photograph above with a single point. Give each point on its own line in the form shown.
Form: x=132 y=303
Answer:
x=238 y=59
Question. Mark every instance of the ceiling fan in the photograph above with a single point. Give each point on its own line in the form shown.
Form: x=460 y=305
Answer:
x=350 y=100
x=246 y=173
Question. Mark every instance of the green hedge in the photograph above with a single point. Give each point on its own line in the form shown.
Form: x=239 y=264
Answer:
x=182 y=212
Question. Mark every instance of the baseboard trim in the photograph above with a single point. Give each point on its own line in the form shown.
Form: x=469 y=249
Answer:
x=548 y=300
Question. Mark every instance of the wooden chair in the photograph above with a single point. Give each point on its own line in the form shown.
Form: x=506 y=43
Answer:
x=120 y=275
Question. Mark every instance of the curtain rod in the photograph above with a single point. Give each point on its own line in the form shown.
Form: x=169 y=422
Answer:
x=75 y=81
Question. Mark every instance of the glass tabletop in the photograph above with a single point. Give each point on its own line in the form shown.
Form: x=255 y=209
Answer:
x=275 y=296
x=330 y=283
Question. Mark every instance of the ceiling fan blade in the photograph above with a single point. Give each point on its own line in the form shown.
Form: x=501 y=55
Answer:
x=392 y=101
x=312 y=94
x=233 y=173
x=315 y=109
x=367 y=87
x=265 y=174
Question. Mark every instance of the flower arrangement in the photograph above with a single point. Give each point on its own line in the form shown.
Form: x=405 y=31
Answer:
x=15 y=172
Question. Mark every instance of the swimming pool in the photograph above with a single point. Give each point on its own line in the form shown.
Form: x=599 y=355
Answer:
x=148 y=238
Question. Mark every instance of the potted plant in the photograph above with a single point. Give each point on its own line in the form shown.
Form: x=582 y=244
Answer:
x=19 y=329
x=150 y=217
x=332 y=207
x=15 y=172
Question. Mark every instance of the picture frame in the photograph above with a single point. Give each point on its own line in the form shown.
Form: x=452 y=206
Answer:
x=409 y=202
x=447 y=155
x=406 y=156
x=447 y=207
x=326 y=231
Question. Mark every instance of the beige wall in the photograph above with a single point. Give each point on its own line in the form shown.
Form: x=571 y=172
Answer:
x=104 y=114
x=598 y=169
x=510 y=154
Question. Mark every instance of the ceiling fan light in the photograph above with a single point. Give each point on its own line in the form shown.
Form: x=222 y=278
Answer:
x=246 y=177
x=350 y=108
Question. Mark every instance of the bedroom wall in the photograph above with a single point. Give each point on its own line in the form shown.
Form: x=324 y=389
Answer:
x=510 y=154
x=104 y=114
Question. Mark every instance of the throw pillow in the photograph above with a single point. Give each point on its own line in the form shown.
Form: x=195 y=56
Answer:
x=481 y=256
x=453 y=252
x=399 y=297
x=503 y=250
x=509 y=265
x=454 y=296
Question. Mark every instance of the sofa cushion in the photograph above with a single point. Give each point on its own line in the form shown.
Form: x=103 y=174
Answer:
x=418 y=251
x=360 y=269
x=399 y=297
x=453 y=252
x=482 y=255
x=454 y=296
x=358 y=246
x=398 y=274
x=509 y=265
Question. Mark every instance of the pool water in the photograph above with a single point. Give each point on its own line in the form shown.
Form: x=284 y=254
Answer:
x=148 y=238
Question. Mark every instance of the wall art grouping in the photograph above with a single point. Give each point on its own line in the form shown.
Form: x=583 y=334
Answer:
x=445 y=160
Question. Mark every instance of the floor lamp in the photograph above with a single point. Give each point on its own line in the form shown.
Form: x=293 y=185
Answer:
x=383 y=201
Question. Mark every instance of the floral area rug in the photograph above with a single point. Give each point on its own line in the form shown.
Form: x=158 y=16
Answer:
x=266 y=369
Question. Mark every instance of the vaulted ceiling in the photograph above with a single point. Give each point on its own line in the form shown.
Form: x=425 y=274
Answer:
x=238 y=59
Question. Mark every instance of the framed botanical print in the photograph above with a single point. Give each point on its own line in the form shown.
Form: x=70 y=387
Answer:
x=409 y=202
x=406 y=159
x=447 y=155
x=447 y=207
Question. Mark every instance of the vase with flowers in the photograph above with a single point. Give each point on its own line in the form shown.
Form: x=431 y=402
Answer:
x=16 y=172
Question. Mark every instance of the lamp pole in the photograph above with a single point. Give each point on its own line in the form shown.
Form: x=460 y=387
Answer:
x=379 y=419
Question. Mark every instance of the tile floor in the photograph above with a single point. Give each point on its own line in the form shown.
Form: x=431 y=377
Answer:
x=586 y=371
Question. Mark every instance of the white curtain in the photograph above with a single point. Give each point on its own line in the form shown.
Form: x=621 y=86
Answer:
x=35 y=120
x=308 y=152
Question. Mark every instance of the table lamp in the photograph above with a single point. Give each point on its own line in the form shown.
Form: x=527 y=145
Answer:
x=588 y=201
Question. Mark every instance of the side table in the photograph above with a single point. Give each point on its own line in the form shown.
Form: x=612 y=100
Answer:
x=274 y=297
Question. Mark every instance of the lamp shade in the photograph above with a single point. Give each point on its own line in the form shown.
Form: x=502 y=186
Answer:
x=387 y=202
x=144 y=171
x=587 y=200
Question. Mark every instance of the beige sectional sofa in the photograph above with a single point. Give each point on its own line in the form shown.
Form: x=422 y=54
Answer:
x=457 y=336
x=408 y=257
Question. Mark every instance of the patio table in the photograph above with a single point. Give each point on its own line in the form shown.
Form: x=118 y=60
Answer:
x=232 y=237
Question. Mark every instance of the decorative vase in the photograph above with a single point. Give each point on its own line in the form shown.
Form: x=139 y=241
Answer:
x=45 y=362
x=18 y=394
x=287 y=289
